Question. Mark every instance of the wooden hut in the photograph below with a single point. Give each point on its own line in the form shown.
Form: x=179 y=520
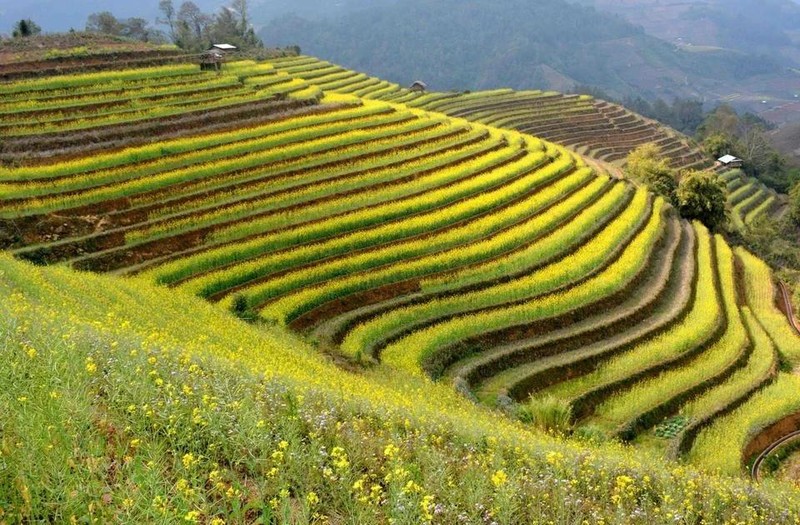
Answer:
x=418 y=86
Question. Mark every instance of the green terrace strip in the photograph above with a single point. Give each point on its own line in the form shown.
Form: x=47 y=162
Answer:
x=348 y=177
x=762 y=209
x=163 y=106
x=761 y=293
x=20 y=123
x=66 y=112
x=627 y=411
x=64 y=104
x=107 y=88
x=388 y=161
x=411 y=353
x=497 y=216
x=173 y=151
x=581 y=208
x=432 y=151
x=429 y=191
x=761 y=368
x=742 y=193
x=719 y=446
x=693 y=330
x=542 y=252
x=521 y=366
x=154 y=179
x=85 y=123
x=332 y=162
x=363 y=339
x=388 y=153
x=266 y=144
x=233 y=210
x=67 y=82
x=459 y=198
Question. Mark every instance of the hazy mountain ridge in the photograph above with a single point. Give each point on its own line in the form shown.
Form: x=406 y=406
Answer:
x=549 y=44
x=770 y=26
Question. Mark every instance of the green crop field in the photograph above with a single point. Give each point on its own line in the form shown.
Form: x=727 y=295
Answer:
x=332 y=300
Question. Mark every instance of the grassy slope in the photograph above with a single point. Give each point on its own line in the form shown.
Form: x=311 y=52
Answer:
x=122 y=401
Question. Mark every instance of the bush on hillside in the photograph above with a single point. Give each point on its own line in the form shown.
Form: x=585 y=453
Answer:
x=647 y=165
x=701 y=195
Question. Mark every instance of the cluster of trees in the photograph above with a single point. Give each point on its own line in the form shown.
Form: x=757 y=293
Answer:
x=133 y=28
x=25 y=28
x=724 y=131
x=187 y=26
x=698 y=195
x=193 y=30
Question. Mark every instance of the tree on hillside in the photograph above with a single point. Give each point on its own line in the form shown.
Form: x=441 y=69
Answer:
x=719 y=144
x=104 y=22
x=193 y=30
x=134 y=28
x=25 y=28
x=745 y=136
x=647 y=165
x=192 y=27
x=794 y=203
x=701 y=195
x=168 y=8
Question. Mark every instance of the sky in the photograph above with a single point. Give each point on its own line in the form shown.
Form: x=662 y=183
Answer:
x=63 y=15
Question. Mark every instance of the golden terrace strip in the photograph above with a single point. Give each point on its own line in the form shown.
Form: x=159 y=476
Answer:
x=436 y=297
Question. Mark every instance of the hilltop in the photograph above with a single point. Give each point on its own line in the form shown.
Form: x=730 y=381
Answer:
x=439 y=289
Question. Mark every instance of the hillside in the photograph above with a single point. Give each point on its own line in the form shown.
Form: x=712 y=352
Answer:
x=601 y=131
x=402 y=242
x=757 y=27
x=767 y=27
x=192 y=416
x=547 y=45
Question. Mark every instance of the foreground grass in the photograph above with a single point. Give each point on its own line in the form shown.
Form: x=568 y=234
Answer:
x=127 y=403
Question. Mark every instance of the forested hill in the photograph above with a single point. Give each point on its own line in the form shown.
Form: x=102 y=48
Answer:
x=453 y=44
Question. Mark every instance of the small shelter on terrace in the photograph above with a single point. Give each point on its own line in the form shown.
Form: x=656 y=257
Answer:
x=729 y=161
x=225 y=48
x=418 y=86
x=212 y=59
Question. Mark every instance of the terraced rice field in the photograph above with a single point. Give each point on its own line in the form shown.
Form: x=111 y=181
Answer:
x=749 y=199
x=429 y=233
x=604 y=131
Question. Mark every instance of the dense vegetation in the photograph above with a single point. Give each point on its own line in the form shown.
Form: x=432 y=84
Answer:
x=408 y=236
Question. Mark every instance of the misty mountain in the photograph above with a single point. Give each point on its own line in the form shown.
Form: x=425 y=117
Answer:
x=769 y=27
x=477 y=44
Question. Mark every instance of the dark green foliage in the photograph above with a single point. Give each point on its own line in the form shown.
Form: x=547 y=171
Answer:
x=25 y=28
x=241 y=308
x=134 y=28
x=724 y=132
x=671 y=427
x=684 y=114
x=719 y=144
x=794 y=203
x=702 y=196
x=647 y=165
x=193 y=30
